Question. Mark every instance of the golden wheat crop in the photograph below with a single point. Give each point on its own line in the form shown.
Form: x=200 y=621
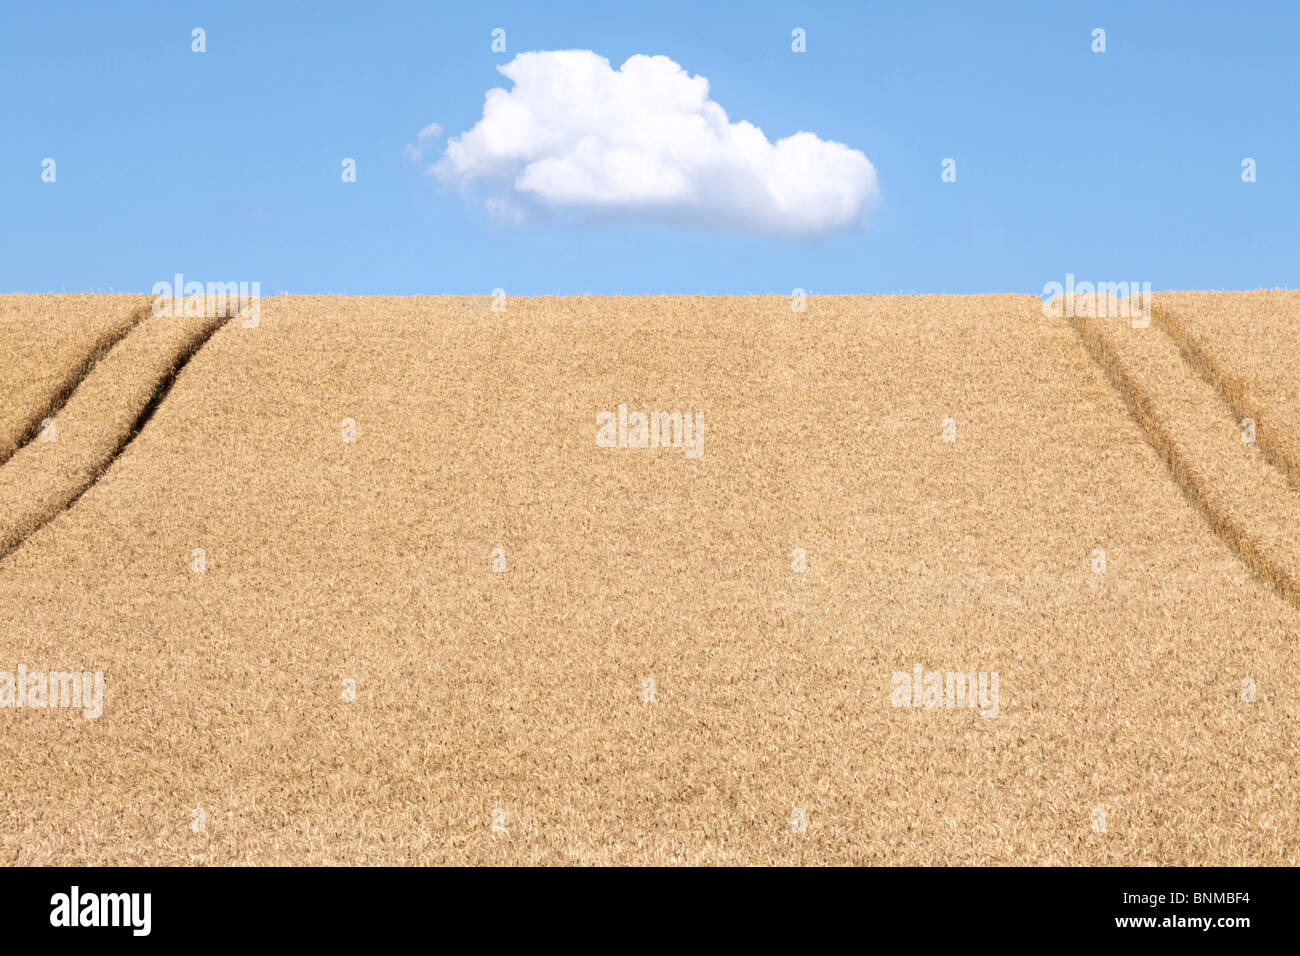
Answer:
x=367 y=589
x=1244 y=344
x=81 y=437
x=49 y=343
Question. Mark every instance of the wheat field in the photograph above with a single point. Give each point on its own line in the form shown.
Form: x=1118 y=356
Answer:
x=50 y=343
x=366 y=585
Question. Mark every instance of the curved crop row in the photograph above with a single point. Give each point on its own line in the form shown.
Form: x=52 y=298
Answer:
x=1239 y=395
x=1246 y=501
x=101 y=416
x=49 y=344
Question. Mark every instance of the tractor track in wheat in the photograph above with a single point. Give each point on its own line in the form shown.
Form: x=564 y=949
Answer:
x=95 y=422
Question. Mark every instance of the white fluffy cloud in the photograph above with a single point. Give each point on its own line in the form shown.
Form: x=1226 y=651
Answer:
x=646 y=142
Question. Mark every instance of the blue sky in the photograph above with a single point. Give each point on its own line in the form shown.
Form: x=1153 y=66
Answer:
x=225 y=165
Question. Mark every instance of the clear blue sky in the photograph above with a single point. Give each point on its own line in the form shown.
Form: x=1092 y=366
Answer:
x=226 y=165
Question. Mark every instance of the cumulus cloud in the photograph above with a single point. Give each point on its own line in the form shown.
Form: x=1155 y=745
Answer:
x=645 y=141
